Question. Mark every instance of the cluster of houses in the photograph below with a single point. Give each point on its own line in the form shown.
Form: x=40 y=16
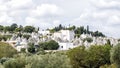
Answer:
x=65 y=38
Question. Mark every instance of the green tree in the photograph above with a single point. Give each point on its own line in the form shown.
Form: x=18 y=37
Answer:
x=98 y=56
x=19 y=29
x=53 y=60
x=7 y=28
x=1 y=28
x=79 y=30
x=26 y=36
x=115 y=55
x=77 y=57
x=18 y=62
x=31 y=48
x=97 y=34
x=50 y=45
x=6 y=50
x=92 y=57
x=71 y=28
x=13 y=27
x=56 y=60
x=29 y=29
x=108 y=42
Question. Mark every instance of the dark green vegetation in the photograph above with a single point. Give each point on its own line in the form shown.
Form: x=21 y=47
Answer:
x=78 y=30
x=49 y=45
x=29 y=29
x=15 y=28
x=93 y=57
x=88 y=40
x=104 y=56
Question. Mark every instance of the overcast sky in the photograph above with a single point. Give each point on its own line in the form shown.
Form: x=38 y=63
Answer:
x=101 y=15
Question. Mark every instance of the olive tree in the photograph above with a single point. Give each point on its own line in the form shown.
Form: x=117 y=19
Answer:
x=115 y=55
x=92 y=57
x=6 y=50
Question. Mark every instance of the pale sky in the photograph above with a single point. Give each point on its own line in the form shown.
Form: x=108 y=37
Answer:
x=101 y=15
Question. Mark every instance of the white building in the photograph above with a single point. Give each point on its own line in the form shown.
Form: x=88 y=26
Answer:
x=65 y=35
x=43 y=32
x=66 y=46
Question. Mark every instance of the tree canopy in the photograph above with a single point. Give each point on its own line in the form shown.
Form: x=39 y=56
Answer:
x=6 y=50
x=29 y=29
x=50 y=45
x=92 y=57
x=115 y=55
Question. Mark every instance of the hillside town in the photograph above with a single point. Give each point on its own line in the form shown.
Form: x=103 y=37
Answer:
x=65 y=38
x=59 y=33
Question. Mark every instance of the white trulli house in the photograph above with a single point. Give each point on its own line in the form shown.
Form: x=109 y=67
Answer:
x=64 y=35
x=64 y=38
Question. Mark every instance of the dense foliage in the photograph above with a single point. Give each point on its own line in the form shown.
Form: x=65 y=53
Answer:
x=15 y=28
x=93 y=57
x=115 y=55
x=80 y=57
x=6 y=50
x=31 y=48
x=54 y=60
x=49 y=45
x=29 y=29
